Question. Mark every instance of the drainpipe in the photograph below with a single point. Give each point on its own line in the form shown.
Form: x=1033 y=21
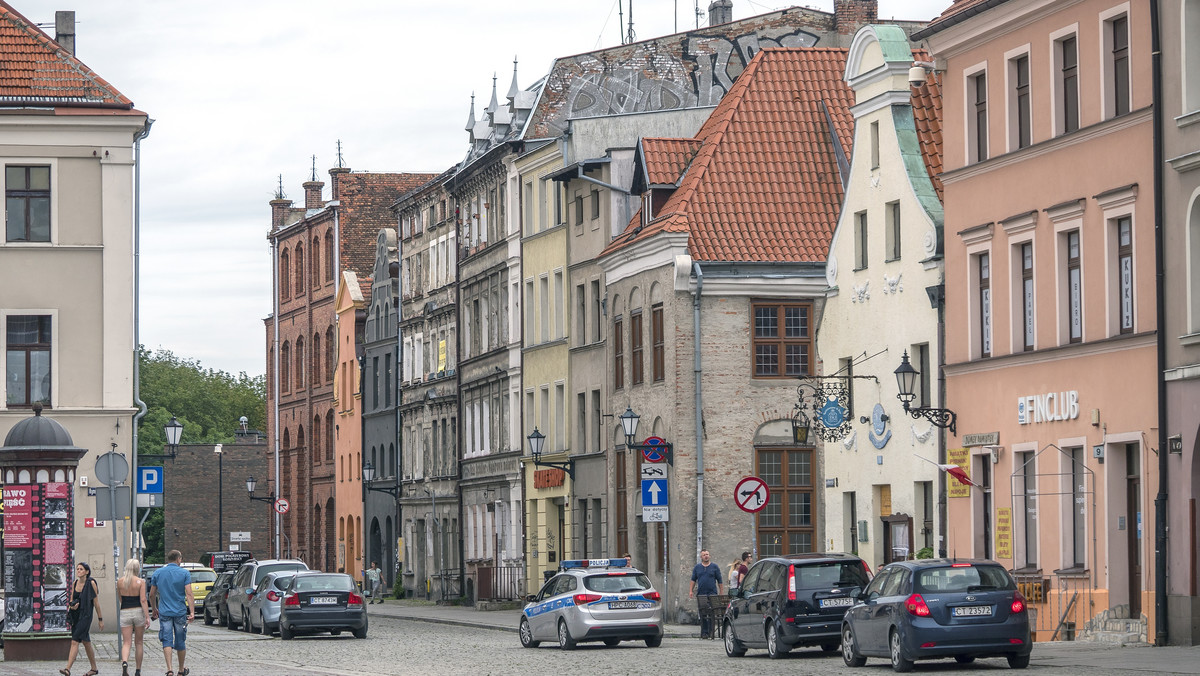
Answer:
x=1160 y=501
x=275 y=380
x=698 y=371
x=137 y=267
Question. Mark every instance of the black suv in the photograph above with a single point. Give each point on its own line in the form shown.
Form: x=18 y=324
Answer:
x=791 y=601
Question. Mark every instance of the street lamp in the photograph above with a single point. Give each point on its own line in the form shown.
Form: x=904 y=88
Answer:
x=173 y=431
x=250 y=484
x=906 y=381
x=368 y=475
x=537 y=442
x=220 y=497
x=629 y=423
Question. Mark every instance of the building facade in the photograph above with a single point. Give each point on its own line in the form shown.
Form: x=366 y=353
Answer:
x=349 y=309
x=1049 y=296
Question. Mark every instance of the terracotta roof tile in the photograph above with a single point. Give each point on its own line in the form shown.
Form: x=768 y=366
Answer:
x=666 y=159
x=34 y=69
x=764 y=183
x=927 y=113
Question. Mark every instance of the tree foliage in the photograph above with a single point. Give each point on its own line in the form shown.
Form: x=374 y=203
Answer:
x=207 y=402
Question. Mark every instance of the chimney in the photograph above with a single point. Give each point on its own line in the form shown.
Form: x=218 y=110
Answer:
x=312 y=194
x=64 y=30
x=334 y=180
x=850 y=15
x=279 y=209
x=719 y=12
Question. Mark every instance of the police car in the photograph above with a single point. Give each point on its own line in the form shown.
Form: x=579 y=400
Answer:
x=593 y=600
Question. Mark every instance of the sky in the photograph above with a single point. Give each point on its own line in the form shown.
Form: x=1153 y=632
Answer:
x=243 y=92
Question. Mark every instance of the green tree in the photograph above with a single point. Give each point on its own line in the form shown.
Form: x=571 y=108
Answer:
x=208 y=403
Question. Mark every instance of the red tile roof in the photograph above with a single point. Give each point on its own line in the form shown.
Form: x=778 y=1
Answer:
x=665 y=159
x=927 y=113
x=764 y=184
x=34 y=69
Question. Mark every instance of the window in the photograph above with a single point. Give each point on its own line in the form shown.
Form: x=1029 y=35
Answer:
x=27 y=195
x=1029 y=504
x=530 y=317
x=375 y=382
x=1124 y=226
x=300 y=364
x=635 y=344
x=977 y=118
x=1027 y=291
x=860 y=240
x=581 y=420
x=1116 y=85
x=656 y=342
x=560 y=306
x=544 y=319
x=596 y=311
x=1020 y=114
x=329 y=262
x=1079 y=492
x=874 y=145
x=580 y=314
x=285 y=367
x=578 y=208
x=622 y=491
x=618 y=354
x=387 y=380
x=299 y=270
x=1067 y=57
x=892 y=235
x=595 y=204
x=781 y=333
x=315 y=268
x=787 y=525
x=1191 y=56
x=27 y=360
x=1074 y=289
x=560 y=417
x=984 y=276
x=285 y=278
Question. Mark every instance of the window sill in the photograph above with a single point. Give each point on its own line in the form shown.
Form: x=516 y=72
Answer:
x=1188 y=119
x=1077 y=571
x=1190 y=339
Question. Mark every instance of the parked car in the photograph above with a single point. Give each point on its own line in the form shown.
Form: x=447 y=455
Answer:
x=264 y=605
x=202 y=584
x=247 y=578
x=148 y=571
x=317 y=602
x=786 y=602
x=938 y=608
x=593 y=600
x=214 y=602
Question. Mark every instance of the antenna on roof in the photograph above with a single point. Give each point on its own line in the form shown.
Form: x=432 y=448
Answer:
x=279 y=191
x=630 y=37
x=314 y=169
x=698 y=14
x=339 y=147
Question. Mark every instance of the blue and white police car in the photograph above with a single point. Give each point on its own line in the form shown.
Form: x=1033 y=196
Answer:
x=593 y=600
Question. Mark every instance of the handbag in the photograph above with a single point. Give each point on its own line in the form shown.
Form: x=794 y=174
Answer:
x=73 y=615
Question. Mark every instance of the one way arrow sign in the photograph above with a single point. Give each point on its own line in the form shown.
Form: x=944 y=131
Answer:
x=654 y=499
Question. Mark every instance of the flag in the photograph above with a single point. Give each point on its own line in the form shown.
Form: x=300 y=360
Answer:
x=958 y=473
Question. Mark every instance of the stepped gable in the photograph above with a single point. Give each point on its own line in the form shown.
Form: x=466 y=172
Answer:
x=764 y=184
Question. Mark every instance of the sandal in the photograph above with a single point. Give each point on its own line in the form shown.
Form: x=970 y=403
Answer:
x=65 y=672
x=184 y=672
x=170 y=673
x=124 y=668
x=91 y=672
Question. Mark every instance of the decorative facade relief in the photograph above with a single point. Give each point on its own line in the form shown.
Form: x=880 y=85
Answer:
x=862 y=293
x=892 y=284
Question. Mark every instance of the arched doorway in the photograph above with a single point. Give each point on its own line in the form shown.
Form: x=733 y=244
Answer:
x=375 y=544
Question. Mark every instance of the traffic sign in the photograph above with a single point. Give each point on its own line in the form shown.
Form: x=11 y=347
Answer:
x=112 y=468
x=239 y=536
x=150 y=479
x=654 y=449
x=655 y=514
x=149 y=499
x=654 y=492
x=751 y=494
x=654 y=472
x=282 y=505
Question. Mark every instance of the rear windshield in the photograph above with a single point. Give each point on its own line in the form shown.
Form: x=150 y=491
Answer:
x=963 y=579
x=203 y=576
x=281 y=582
x=831 y=574
x=262 y=570
x=617 y=583
x=324 y=583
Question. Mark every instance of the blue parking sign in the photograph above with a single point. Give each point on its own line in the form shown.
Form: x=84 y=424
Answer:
x=150 y=479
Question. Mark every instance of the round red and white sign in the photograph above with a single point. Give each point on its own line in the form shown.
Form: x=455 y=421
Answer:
x=282 y=505
x=751 y=494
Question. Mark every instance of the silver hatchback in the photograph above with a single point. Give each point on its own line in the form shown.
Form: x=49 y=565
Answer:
x=263 y=613
x=593 y=600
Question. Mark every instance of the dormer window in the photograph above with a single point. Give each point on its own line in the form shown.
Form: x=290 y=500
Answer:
x=647 y=207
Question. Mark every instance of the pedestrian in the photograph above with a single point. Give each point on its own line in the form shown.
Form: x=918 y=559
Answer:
x=628 y=561
x=85 y=595
x=171 y=603
x=135 y=614
x=375 y=581
x=732 y=574
x=706 y=583
x=739 y=569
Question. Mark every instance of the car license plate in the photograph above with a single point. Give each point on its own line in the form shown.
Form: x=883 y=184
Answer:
x=322 y=600
x=837 y=603
x=627 y=605
x=972 y=611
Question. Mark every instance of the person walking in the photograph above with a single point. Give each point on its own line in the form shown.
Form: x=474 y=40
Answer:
x=375 y=582
x=706 y=583
x=85 y=595
x=173 y=606
x=135 y=614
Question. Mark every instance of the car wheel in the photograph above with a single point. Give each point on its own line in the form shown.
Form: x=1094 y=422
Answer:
x=527 y=635
x=654 y=642
x=208 y=619
x=247 y=625
x=285 y=633
x=564 y=636
x=229 y=623
x=849 y=650
x=899 y=662
x=612 y=642
x=1018 y=661
x=262 y=625
x=775 y=649
x=733 y=647
x=964 y=659
x=361 y=632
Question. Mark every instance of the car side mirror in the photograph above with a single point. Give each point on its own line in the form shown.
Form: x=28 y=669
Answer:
x=530 y=598
x=249 y=592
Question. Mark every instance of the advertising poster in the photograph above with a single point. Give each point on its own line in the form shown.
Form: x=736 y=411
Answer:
x=962 y=458
x=1004 y=533
x=18 y=516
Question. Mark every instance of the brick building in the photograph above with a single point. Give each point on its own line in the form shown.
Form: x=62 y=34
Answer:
x=311 y=246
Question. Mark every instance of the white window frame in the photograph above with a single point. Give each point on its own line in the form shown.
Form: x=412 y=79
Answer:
x=1107 y=75
x=56 y=346
x=1056 y=84
x=1189 y=22
x=1011 y=108
x=1065 y=219
x=1192 y=260
x=1020 y=230
x=52 y=162
x=1113 y=206
x=970 y=150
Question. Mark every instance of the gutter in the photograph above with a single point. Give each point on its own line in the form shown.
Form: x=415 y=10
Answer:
x=954 y=20
x=699 y=414
x=137 y=271
x=1160 y=500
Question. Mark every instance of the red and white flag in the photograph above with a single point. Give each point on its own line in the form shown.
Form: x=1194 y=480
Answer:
x=953 y=470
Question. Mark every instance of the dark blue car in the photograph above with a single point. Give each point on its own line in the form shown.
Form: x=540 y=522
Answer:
x=938 y=608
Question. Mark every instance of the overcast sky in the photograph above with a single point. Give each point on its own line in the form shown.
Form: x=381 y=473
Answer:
x=242 y=92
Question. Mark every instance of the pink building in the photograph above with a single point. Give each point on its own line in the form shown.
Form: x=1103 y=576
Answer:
x=1050 y=302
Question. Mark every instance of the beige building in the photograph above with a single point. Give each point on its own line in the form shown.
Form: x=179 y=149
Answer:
x=885 y=264
x=68 y=143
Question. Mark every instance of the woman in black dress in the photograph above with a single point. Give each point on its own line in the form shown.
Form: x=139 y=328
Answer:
x=85 y=595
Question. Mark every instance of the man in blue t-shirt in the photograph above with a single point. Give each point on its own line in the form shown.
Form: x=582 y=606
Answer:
x=171 y=603
x=706 y=583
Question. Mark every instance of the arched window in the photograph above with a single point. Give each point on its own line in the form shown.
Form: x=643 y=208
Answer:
x=285 y=278
x=300 y=437
x=330 y=355
x=287 y=439
x=329 y=256
x=315 y=268
x=316 y=359
x=299 y=363
x=341 y=528
x=285 y=367
x=329 y=434
x=299 y=269
x=316 y=432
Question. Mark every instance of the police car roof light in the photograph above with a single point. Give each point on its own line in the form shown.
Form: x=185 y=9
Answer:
x=593 y=563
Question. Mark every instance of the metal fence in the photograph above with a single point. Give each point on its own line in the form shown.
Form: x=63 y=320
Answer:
x=1059 y=605
x=499 y=583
